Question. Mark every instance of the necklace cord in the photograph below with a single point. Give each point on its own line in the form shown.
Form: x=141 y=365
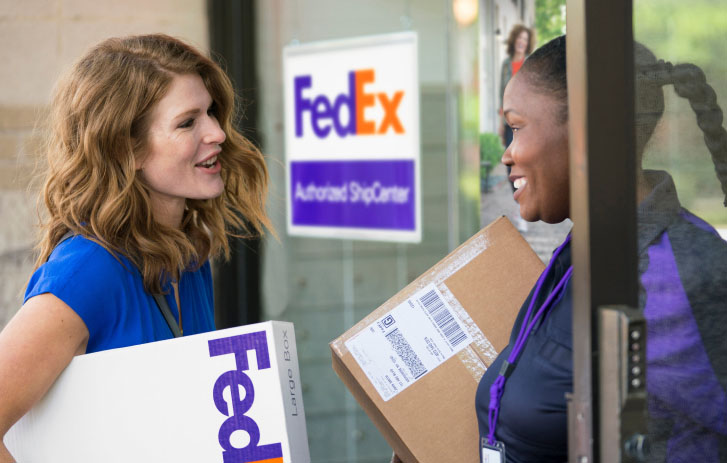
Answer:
x=498 y=386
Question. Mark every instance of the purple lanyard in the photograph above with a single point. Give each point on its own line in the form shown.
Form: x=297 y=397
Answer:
x=526 y=328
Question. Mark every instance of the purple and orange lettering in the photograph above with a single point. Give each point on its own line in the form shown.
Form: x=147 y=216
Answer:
x=236 y=409
x=325 y=115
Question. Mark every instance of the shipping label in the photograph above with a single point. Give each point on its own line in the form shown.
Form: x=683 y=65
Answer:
x=408 y=342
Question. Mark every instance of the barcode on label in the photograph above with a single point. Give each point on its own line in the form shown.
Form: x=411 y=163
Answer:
x=443 y=317
x=406 y=353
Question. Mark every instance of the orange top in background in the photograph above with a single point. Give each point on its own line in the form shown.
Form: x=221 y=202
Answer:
x=516 y=65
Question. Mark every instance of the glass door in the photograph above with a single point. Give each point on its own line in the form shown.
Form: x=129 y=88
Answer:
x=681 y=171
x=648 y=183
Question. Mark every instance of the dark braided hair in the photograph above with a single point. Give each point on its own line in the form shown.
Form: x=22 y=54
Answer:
x=545 y=69
x=689 y=82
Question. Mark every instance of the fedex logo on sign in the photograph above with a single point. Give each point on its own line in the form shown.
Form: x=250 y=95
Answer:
x=236 y=409
x=325 y=115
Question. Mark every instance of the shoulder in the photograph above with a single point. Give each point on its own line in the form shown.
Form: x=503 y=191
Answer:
x=691 y=259
x=696 y=244
x=91 y=258
x=205 y=268
x=688 y=253
x=197 y=290
x=100 y=287
x=80 y=263
x=202 y=277
x=201 y=272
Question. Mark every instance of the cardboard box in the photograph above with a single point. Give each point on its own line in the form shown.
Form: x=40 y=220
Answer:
x=225 y=396
x=415 y=362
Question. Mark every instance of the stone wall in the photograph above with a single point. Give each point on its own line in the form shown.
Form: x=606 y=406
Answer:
x=41 y=38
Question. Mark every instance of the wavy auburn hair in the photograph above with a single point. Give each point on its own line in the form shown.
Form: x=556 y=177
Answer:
x=100 y=115
x=515 y=32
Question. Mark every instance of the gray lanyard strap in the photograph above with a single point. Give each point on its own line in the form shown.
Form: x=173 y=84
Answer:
x=164 y=307
x=158 y=298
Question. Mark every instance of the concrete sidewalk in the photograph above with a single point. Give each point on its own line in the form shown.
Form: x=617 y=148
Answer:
x=498 y=200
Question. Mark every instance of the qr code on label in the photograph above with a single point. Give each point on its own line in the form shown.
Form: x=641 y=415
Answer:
x=406 y=353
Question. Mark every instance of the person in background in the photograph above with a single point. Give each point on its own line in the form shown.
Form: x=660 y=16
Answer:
x=146 y=180
x=520 y=401
x=519 y=44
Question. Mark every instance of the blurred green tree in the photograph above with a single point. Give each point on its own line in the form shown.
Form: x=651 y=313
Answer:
x=549 y=19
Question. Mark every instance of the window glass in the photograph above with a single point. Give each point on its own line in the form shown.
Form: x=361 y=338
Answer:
x=325 y=286
x=545 y=20
x=681 y=143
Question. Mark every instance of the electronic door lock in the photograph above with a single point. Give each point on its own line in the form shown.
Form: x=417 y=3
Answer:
x=622 y=384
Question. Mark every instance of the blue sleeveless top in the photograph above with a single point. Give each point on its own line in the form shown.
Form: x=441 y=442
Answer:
x=108 y=294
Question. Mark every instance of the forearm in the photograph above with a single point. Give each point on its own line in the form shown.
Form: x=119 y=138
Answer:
x=5 y=456
x=35 y=347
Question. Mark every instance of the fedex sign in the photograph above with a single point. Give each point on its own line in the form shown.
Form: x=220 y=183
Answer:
x=236 y=410
x=326 y=114
x=352 y=138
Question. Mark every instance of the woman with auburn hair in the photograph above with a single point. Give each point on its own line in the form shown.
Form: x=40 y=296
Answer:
x=146 y=180
x=519 y=45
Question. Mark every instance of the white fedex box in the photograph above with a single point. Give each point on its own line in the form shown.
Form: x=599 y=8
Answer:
x=230 y=396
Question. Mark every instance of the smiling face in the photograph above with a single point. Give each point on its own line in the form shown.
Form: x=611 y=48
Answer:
x=538 y=154
x=180 y=160
x=521 y=43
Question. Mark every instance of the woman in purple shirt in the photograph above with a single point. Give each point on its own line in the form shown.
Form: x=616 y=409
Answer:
x=520 y=401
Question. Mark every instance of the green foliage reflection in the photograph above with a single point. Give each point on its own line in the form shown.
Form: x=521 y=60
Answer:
x=549 y=19
x=694 y=32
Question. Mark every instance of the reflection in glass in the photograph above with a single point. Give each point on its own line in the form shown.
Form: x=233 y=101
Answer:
x=324 y=286
x=546 y=22
x=682 y=258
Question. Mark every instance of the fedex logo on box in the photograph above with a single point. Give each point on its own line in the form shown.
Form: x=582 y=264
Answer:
x=327 y=114
x=229 y=396
x=236 y=410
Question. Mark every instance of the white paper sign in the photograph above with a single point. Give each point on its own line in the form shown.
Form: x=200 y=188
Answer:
x=411 y=340
x=352 y=138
